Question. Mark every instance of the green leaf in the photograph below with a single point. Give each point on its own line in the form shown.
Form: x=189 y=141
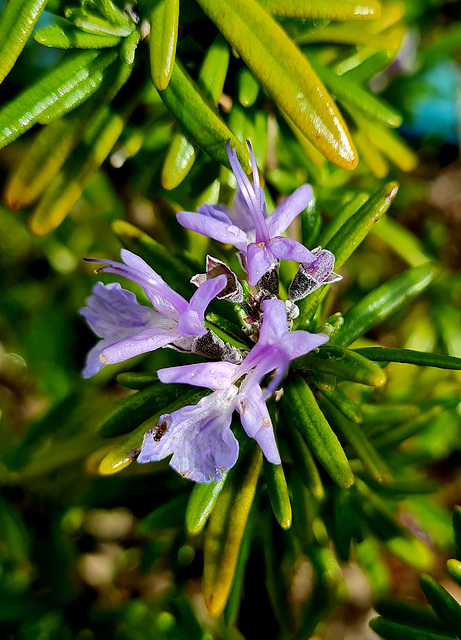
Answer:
x=388 y=414
x=201 y=503
x=386 y=437
x=369 y=64
x=164 y=19
x=378 y=305
x=372 y=462
x=354 y=96
x=341 y=217
x=301 y=408
x=391 y=630
x=176 y=272
x=329 y=9
x=66 y=36
x=304 y=461
x=411 y=613
x=346 y=240
x=65 y=189
x=133 y=380
x=92 y=23
x=22 y=112
x=278 y=493
x=343 y=403
x=247 y=87
x=225 y=531
x=402 y=241
x=131 y=411
x=454 y=569
x=111 y=12
x=179 y=160
x=456 y=515
x=190 y=108
x=390 y=40
x=44 y=158
x=342 y=363
x=127 y=449
x=16 y=24
x=442 y=602
x=419 y=358
x=391 y=145
x=168 y=515
x=285 y=74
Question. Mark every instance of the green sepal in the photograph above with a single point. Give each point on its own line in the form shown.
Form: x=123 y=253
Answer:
x=278 y=493
x=17 y=21
x=419 y=358
x=442 y=602
x=164 y=20
x=167 y=516
x=131 y=411
x=301 y=408
x=380 y=303
x=343 y=363
x=201 y=503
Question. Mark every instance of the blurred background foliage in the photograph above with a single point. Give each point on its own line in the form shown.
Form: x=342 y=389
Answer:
x=110 y=125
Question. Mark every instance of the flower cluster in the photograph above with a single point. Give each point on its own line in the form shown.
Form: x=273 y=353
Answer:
x=199 y=437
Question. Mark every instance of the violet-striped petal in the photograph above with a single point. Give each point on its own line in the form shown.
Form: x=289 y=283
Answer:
x=288 y=249
x=211 y=375
x=281 y=218
x=220 y=231
x=259 y=260
x=191 y=322
x=257 y=423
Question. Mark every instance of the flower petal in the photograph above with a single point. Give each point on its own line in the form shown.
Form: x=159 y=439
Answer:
x=199 y=437
x=226 y=233
x=257 y=423
x=213 y=375
x=191 y=322
x=281 y=218
x=148 y=340
x=288 y=249
x=259 y=260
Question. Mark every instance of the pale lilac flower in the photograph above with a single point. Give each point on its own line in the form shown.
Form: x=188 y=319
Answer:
x=127 y=328
x=313 y=275
x=246 y=225
x=200 y=437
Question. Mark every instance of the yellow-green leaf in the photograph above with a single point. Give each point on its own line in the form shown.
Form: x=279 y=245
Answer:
x=66 y=36
x=286 y=75
x=164 y=20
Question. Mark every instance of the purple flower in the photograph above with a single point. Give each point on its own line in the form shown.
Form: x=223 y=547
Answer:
x=313 y=275
x=246 y=225
x=127 y=328
x=200 y=437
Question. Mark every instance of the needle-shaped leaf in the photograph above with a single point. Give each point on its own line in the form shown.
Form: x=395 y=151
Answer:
x=131 y=411
x=226 y=528
x=367 y=67
x=420 y=358
x=390 y=40
x=135 y=380
x=164 y=19
x=342 y=363
x=248 y=87
x=74 y=73
x=201 y=503
x=93 y=23
x=285 y=74
x=65 y=36
x=329 y=9
x=346 y=240
x=278 y=493
x=304 y=461
x=442 y=602
x=411 y=613
x=198 y=119
x=65 y=189
x=380 y=303
x=344 y=404
x=16 y=24
x=127 y=450
x=301 y=408
x=391 y=630
x=166 y=516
